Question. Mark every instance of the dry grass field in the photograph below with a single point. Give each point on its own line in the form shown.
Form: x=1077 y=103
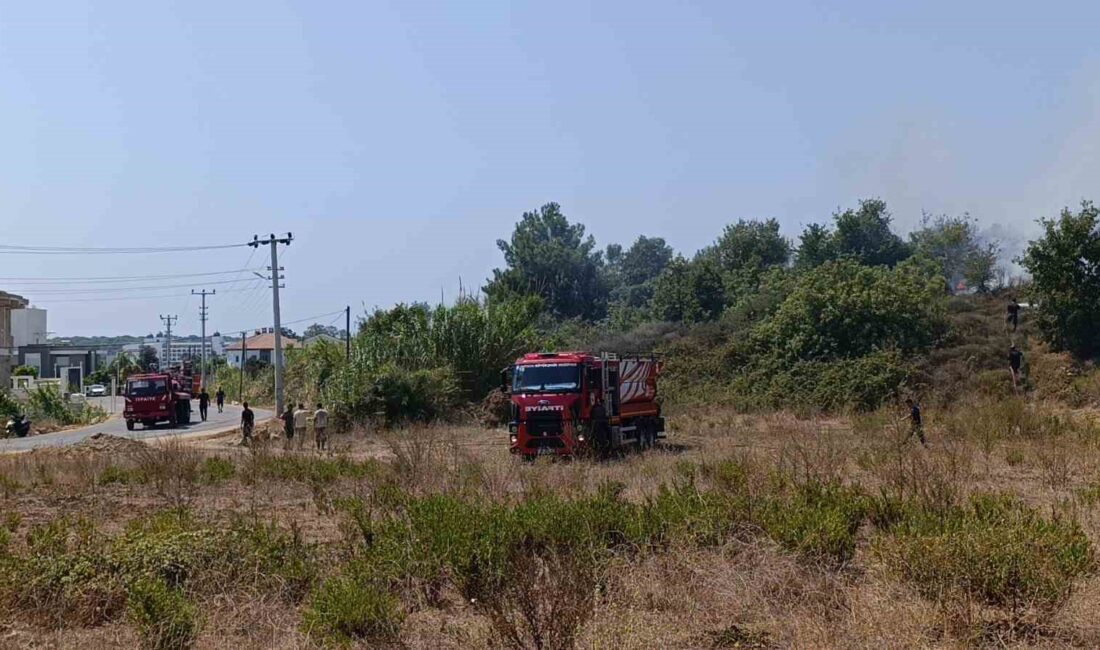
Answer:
x=740 y=531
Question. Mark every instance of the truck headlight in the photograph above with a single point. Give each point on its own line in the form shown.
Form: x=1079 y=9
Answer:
x=513 y=438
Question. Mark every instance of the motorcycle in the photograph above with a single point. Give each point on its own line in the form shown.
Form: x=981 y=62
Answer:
x=18 y=426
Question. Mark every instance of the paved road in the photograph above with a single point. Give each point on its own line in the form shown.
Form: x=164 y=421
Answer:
x=116 y=426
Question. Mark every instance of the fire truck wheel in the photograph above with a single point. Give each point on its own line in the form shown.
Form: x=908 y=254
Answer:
x=129 y=425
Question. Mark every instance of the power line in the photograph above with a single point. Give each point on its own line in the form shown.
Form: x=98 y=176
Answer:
x=153 y=287
x=51 y=300
x=121 y=278
x=293 y=322
x=77 y=250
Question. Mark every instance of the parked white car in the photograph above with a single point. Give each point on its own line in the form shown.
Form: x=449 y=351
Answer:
x=96 y=390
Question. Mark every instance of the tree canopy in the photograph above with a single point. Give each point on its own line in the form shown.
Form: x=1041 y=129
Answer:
x=689 y=292
x=550 y=257
x=963 y=256
x=1065 y=269
x=863 y=234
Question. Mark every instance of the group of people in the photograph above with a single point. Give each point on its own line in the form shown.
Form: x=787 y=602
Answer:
x=204 y=402
x=1015 y=362
x=296 y=425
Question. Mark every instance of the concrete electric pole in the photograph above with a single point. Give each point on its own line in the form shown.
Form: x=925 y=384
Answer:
x=168 y=320
x=202 y=318
x=276 y=277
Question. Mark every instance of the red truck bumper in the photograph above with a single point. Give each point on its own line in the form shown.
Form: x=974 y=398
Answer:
x=542 y=440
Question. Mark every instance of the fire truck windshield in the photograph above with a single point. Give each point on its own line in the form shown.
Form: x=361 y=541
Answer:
x=546 y=378
x=146 y=387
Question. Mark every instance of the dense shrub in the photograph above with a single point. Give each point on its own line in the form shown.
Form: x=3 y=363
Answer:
x=818 y=521
x=995 y=550
x=164 y=617
x=72 y=575
x=351 y=608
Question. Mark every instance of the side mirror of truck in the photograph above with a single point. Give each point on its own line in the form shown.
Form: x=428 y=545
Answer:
x=506 y=379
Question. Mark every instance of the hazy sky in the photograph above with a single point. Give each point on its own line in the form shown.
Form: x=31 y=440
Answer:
x=399 y=140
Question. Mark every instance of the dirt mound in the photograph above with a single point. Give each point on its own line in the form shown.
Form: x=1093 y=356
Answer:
x=105 y=442
x=495 y=409
x=97 y=443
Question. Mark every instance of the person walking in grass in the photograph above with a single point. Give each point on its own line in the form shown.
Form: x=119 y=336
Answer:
x=1015 y=360
x=288 y=426
x=220 y=397
x=320 y=426
x=1013 y=317
x=301 y=423
x=204 y=404
x=248 y=421
x=916 y=423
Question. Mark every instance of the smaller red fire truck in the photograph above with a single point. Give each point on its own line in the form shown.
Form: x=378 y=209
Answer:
x=160 y=397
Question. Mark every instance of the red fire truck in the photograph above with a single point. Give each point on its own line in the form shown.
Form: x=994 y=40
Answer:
x=160 y=397
x=565 y=402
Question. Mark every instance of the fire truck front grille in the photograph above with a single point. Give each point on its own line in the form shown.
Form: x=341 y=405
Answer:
x=544 y=426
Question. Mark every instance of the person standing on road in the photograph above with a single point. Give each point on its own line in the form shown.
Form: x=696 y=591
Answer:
x=204 y=404
x=916 y=423
x=220 y=397
x=288 y=426
x=301 y=423
x=248 y=421
x=320 y=426
x=1015 y=360
x=1013 y=317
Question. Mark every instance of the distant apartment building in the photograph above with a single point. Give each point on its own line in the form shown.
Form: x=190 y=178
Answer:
x=259 y=346
x=180 y=349
x=8 y=353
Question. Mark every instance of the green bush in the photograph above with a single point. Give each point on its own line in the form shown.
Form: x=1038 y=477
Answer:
x=995 y=550
x=164 y=617
x=352 y=608
x=309 y=469
x=122 y=476
x=65 y=578
x=72 y=575
x=818 y=521
x=216 y=470
x=8 y=408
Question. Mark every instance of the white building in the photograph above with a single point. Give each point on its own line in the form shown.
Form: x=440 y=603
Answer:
x=260 y=346
x=28 y=327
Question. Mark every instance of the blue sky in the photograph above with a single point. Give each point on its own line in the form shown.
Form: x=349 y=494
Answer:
x=398 y=141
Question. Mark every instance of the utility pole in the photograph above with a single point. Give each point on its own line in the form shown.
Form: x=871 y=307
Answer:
x=168 y=320
x=244 y=348
x=276 y=277
x=202 y=318
x=347 y=333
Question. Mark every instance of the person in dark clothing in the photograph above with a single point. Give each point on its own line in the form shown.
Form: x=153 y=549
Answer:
x=204 y=404
x=288 y=424
x=220 y=397
x=248 y=421
x=1015 y=359
x=916 y=423
x=1013 y=317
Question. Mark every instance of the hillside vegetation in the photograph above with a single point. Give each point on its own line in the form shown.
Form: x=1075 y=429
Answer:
x=791 y=506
